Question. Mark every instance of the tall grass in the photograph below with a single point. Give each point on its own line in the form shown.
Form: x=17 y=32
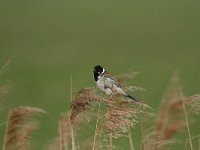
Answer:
x=171 y=119
x=114 y=118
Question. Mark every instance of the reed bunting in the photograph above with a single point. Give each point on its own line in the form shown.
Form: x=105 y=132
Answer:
x=108 y=84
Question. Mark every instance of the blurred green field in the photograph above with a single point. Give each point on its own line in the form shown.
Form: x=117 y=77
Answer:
x=50 y=40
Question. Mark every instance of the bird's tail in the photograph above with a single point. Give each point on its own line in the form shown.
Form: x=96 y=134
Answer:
x=133 y=98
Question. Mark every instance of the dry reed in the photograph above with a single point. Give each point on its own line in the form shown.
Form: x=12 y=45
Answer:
x=171 y=118
x=63 y=141
x=119 y=117
x=4 y=89
x=7 y=86
x=84 y=99
x=64 y=132
x=96 y=130
x=168 y=121
x=19 y=127
x=5 y=67
x=114 y=121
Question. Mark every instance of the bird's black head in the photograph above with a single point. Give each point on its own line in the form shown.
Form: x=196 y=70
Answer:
x=98 y=70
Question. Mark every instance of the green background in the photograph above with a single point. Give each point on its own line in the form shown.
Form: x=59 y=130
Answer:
x=50 y=40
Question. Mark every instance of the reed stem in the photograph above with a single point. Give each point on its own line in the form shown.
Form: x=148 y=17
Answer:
x=186 y=120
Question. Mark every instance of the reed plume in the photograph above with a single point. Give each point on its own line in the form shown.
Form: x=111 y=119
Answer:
x=120 y=116
x=84 y=99
x=19 y=127
x=64 y=139
x=171 y=118
x=66 y=134
x=168 y=121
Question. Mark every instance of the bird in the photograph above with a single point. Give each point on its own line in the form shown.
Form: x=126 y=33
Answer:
x=106 y=83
